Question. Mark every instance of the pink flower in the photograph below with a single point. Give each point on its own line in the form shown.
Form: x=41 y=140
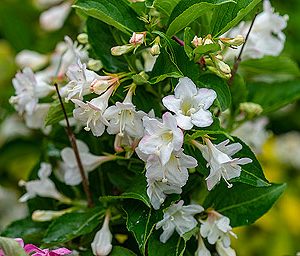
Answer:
x=29 y=248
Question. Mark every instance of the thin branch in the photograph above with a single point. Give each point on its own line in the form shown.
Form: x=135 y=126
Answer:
x=72 y=139
x=179 y=41
x=239 y=58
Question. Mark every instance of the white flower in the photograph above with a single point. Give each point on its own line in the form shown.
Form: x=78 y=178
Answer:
x=253 y=133
x=37 y=119
x=224 y=251
x=43 y=187
x=266 y=37
x=69 y=167
x=66 y=54
x=31 y=59
x=161 y=138
x=101 y=244
x=168 y=178
x=54 y=18
x=28 y=91
x=149 y=60
x=190 y=104
x=123 y=118
x=180 y=218
x=219 y=161
x=202 y=250
x=216 y=228
x=80 y=81
x=92 y=113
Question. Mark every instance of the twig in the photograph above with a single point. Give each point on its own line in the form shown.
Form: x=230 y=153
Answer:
x=179 y=41
x=72 y=139
x=239 y=58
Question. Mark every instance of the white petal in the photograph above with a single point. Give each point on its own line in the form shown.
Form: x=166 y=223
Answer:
x=202 y=118
x=185 y=88
x=171 y=103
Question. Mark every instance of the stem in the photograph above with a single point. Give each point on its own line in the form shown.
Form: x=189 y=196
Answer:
x=179 y=41
x=72 y=139
x=239 y=58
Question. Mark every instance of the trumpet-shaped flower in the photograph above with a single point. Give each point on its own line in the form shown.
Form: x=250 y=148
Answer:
x=123 y=118
x=101 y=244
x=80 y=81
x=180 y=218
x=92 y=113
x=54 y=18
x=190 y=104
x=169 y=178
x=219 y=161
x=69 y=167
x=266 y=37
x=102 y=83
x=28 y=91
x=201 y=249
x=31 y=59
x=36 y=251
x=161 y=138
x=224 y=251
x=216 y=228
x=43 y=187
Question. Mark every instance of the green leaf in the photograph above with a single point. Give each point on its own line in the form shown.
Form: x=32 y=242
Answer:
x=252 y=174
x=11 y=247
x=141 y=221
x=206 y=49
x=101 y=40
x=55 y=113
x=137 y=190
x=239 y=91
x=188 y=37
x=72 y=225
x=220 y=87
x=230 y=14
x=243 y=204
x=186 y=11
x=274 y=96
x=165 y=6
x=113 y=12
x=121 y=251
x=29 y=230
x=269 y=69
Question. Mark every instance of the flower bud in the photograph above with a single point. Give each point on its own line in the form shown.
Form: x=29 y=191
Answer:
x=41 y=215
x=197 y=41
x=141 y=78
x=220 y=65
x=34 y=60
x=251 y=108
x=120 y=50
x=138 y=38
x=155 y=49
x=101 y=244
x=83 y=38
x=95 y=65
x=237 y=41
x=208 y=40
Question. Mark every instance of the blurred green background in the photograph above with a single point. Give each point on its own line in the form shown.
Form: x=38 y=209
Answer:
x=277 y=233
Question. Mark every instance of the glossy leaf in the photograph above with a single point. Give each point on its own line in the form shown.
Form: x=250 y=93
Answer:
x=121 y=251
x=102 y=40
x=141 y=221
x=115 y=13
x=269 y=69
x=165 y=6
x=230 y=14
x=243 y=204
x=72 y=225
x=29 y=230
x=274 y=96
x=186 y=11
